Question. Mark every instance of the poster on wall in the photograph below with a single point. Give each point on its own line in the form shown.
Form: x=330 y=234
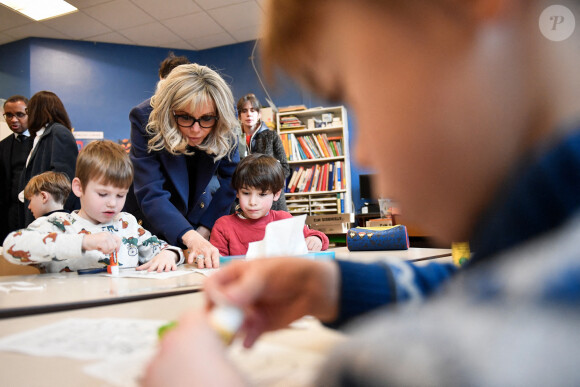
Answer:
x=84 y=137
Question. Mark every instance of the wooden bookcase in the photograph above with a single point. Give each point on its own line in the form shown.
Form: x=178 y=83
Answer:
x=316 y=143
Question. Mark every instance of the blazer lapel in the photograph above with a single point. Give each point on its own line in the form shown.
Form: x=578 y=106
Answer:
x=176 y=168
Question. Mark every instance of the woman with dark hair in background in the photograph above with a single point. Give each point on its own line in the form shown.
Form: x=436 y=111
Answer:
x=54 y=148
x=258 y=138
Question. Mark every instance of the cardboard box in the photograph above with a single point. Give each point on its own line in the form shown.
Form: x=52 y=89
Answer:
x=380 y=222
x=331 y=223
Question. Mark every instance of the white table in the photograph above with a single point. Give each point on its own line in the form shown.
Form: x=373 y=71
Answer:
x=52 y=292
x=288 y=357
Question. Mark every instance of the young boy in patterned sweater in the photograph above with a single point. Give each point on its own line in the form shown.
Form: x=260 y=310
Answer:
x=85 y=238
x=258 y=181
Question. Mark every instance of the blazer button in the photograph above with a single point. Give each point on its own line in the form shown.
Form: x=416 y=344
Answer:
x=202 y=204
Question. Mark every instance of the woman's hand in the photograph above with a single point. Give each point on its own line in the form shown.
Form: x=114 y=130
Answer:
x=274 y=292
x=164 y=261
x=191 y=354
x=200 y=251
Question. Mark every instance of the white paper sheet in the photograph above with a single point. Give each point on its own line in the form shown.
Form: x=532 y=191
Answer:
x=283 y=238
x=20 y=286
x=84 y=338
x=122 y=348
x=132 y=273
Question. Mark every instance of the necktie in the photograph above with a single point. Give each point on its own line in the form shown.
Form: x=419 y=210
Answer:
x=21 y=138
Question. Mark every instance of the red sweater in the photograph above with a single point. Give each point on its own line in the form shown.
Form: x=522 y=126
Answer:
x=232 y=234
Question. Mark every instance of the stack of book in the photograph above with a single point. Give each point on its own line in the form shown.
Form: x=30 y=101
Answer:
x=290 y=122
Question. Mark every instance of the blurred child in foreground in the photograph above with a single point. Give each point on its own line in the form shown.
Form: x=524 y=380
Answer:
x=258 y=181
x=85 y=238
x=468 y=111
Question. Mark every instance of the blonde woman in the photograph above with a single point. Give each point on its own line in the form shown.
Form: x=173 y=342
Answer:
x=189 y=137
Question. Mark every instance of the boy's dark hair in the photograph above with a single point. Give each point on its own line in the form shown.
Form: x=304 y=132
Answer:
x=16 y=98
x=55 y=183
x=106 y=162
x=259 y=171
x=170 y=63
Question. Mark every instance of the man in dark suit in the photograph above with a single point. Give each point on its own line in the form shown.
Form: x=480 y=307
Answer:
x=14 y=150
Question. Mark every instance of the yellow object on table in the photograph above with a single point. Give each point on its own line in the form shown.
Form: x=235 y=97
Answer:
x=460 y=253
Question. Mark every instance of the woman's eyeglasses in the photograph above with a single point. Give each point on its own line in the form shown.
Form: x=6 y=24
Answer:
x=188 y=121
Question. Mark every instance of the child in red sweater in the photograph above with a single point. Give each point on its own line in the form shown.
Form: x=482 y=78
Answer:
x=258 y=181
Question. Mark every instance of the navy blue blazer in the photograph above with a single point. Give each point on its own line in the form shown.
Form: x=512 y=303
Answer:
x=161 y=184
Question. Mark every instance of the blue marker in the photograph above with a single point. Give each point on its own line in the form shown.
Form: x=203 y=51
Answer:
x=94 y=270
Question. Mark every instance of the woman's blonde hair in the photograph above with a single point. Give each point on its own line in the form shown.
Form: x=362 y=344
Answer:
x=192 y=85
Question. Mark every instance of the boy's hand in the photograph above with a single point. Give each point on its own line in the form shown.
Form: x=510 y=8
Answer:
x=164 y=261
x=272 y=301
x=313 y=243
x=105 y=242
x=192 y=338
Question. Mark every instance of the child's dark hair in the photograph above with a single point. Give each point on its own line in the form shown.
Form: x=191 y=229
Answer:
x=259 y=171
x=55 y=183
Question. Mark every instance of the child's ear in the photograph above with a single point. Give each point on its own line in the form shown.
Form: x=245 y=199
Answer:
x=45 y=196
x=277 y=195
x=77 y=187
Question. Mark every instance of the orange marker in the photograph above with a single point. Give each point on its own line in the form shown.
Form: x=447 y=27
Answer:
x=113 y=267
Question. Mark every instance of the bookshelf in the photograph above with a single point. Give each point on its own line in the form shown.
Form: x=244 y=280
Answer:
x=316 y=145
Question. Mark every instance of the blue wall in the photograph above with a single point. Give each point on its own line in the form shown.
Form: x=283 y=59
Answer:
x=99 y=83
x=15 y=69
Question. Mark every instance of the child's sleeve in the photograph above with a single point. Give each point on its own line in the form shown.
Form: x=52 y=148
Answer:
x=44 y=240
x=219 y=239
x=309 y=232
x=148 y=244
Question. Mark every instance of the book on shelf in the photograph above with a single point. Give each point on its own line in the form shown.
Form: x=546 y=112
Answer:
x=311 y=147
x=323 y=171
x=327 y=145
x=284 y=139
x=340 y=202
x=315 y=178
x=296 y=153
x=330 y=177
x=296 y=179
x=317 y=146
x=309 y=179
x=303 y=179
x=322 y=145
x=293 y=108
x=305 y=147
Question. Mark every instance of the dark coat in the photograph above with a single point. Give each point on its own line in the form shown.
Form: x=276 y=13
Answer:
x=57 y=151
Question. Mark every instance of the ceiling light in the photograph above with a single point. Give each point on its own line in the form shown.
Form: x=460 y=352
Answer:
x=40 y=9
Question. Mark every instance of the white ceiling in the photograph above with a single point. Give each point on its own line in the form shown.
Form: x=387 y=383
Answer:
x=177 y=24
